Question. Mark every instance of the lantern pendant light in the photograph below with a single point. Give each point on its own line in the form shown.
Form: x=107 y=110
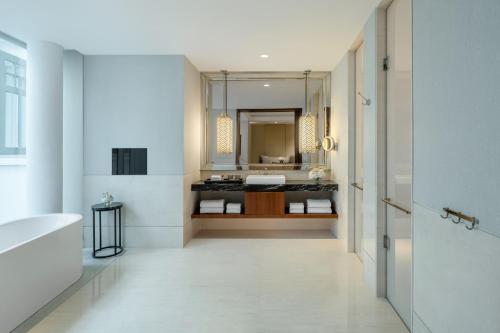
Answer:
x=224 y=126
x=307 y=125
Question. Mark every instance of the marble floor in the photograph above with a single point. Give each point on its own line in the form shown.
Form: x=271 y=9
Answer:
x=228 y=285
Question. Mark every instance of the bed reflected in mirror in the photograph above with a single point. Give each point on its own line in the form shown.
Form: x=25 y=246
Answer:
x=268 y=136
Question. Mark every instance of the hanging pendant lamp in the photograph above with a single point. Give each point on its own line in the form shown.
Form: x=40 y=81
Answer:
x=307 y=125
x=224 y=126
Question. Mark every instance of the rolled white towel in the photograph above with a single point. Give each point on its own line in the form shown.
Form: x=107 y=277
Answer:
x=212 y=210
x=319 y=203
x=233 y=208
x=216 y=177
x=212 y=203
x=233 y=205
x=297 y=205
x=323 y=210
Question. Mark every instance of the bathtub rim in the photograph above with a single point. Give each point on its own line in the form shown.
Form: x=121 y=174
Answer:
x=72 y=219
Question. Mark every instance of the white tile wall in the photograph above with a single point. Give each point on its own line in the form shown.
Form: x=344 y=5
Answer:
x=159 y=194
x=140 y=101
x=456 y=275
x=456 y=272
x=151 y=203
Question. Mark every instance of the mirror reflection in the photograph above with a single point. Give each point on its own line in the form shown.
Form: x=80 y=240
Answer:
x=265 y=114
x=267 y=136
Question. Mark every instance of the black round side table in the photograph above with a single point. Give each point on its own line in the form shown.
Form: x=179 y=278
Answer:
x=117 y=247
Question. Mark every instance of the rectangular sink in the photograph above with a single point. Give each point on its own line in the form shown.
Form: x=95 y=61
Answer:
x=266 y=179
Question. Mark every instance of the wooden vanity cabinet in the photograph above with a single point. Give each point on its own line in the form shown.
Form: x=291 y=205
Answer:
x=265 y=203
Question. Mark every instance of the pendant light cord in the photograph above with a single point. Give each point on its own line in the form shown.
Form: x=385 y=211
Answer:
x=225 y=92
x=308 y=109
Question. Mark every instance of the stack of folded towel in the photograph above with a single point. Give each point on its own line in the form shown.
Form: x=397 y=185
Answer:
x=319 y=206
x=212 y=206
x=296 y=208
x=233 y=208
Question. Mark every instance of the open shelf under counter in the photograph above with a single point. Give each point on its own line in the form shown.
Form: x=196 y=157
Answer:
x=249 y=216
x=267 y=201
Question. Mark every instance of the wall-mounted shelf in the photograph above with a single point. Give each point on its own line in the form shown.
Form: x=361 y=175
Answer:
x=264 y=205
x=248 y=216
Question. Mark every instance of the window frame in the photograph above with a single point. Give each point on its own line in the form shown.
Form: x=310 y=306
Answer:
x=4 y=88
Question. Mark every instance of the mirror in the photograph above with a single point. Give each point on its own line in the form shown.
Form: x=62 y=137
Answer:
x=265 y=109
x=267 y=136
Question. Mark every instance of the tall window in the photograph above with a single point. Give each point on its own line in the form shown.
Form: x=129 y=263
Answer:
x=12 y=96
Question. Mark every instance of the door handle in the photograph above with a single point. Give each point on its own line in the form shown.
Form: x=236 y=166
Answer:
x=397 y=206
x=356 y=185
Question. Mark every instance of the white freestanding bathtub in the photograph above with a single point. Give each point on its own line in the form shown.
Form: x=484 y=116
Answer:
x=39 y=258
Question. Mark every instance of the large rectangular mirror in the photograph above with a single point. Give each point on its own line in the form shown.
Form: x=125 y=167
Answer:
x=265 y=109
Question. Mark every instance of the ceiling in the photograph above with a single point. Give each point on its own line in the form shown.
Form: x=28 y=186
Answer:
x=213 y=34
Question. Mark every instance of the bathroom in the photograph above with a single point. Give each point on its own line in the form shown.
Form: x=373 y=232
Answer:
x=106 y=145
x=264 y=166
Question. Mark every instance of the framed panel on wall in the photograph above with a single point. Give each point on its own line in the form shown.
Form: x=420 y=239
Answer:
x=129 y=161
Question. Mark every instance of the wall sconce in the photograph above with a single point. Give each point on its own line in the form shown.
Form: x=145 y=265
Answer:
x=224 y=126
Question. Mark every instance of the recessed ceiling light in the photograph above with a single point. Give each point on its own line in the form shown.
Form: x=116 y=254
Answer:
x=264 y=56
x=267 y=85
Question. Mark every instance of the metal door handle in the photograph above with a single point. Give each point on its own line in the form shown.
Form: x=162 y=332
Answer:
x=397 y=206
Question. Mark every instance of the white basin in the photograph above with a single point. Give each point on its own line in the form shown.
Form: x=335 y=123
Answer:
x=266 y=179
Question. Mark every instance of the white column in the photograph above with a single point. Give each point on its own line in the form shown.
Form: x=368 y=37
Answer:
x=44 y=102
x=72 y=132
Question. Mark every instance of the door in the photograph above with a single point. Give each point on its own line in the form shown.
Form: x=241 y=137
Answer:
x=358 y=156
x=399 y=158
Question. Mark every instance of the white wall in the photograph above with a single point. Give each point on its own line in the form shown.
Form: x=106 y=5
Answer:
x=456 y=162
x=341 y=123
x=136 y=102
x=72 y=132
x=13 y=204
x=192 y=144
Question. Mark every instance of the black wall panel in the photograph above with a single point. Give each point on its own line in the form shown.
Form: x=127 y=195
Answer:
x=129 y=161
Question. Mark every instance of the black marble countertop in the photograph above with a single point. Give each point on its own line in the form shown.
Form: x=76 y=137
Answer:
x=289 y=186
